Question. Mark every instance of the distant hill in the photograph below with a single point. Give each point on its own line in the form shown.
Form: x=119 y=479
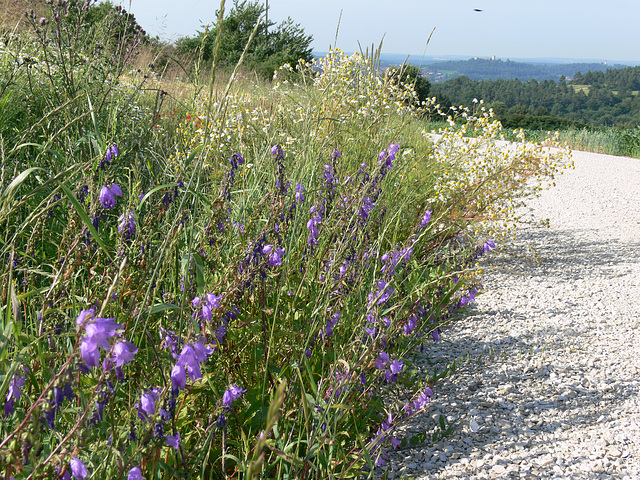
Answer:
x=494 y=69
x=442 y=68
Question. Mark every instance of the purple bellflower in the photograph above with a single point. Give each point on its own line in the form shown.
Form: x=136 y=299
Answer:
x=382 y=360
x=123 y=353
x=426 y=218
x=127 y=224
x=299 y=194
x=488 y=246
x=178 y=377
x=147 y=405
x=97 y=332
x=173 y=441
x=16 y=383
x=135 y=474
x=275 y=257
x=189 y=363
x=78 y=470
x=232 y=394
x=108 y=196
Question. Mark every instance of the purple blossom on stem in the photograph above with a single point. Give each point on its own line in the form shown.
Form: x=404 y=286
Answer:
x=173 y=441
x=169 y=340
x=108 y=196
x=111 y=152
x=123 y=353
x=426 y=218
x=178 y=377
x=207 y=304
x=127 y=224
x=299 y=194
x=367 y=206
x=16 y=383
x=392 y=261
x=135 y=474
x=232 y=394
x=396 y=366
x=189 y=363
x=382 y=360
x=411 y=324
x=420 y=402
x=147 y=404
x=331 y=323
x=78 y=470
x=383 y=294
x=82 y=194
x=97 y=332
x=488 y=246
x=275 y=258
x=387 y=156
x=312 y=226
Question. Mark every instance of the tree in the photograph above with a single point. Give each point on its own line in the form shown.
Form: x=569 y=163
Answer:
x=272 y=46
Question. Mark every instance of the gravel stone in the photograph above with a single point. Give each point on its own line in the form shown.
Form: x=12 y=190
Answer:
x=552 y=382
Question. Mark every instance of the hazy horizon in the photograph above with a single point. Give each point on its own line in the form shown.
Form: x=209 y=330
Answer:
x=570 y=29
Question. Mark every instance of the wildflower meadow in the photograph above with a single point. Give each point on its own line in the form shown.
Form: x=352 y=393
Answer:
x=227 y=278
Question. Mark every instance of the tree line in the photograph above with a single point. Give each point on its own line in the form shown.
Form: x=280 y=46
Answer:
x=609 y=98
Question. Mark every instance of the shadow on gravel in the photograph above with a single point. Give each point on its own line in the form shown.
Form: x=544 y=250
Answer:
x=568 y=254
x=504 y=367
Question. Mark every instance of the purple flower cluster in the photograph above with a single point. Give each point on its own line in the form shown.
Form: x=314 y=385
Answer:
x=391 y=261
x=486 y=247
x=281 y=185
x=331 y=324
x=419 y=403
x=299 y=193
x=232 y=394
x=205 y=306
x=426 y=218
x=229 y=180
x=391 y=368
x=111 y=152
x=274 y=254
x=312 y=226
x=189 y=362
x=387 y=156
x=383 y=294
x=383 y=434
x=97 y=333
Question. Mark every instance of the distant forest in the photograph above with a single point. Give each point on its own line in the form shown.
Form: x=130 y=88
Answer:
x=595 y=98
x=492 y=69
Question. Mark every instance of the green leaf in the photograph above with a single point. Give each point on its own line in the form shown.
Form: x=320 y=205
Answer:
x=9 y=192
x=154 y=190
x=199 y=272
x=85 y=218
x=162 y=307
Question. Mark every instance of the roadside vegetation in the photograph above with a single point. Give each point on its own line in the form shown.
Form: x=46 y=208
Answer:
x=211 y=275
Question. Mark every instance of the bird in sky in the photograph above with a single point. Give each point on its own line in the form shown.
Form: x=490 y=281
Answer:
x=477 y=10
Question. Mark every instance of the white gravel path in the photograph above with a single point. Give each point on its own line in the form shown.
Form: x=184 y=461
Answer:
x=553 y=386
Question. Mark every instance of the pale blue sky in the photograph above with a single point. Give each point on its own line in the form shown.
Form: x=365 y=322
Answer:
x=590 y=29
